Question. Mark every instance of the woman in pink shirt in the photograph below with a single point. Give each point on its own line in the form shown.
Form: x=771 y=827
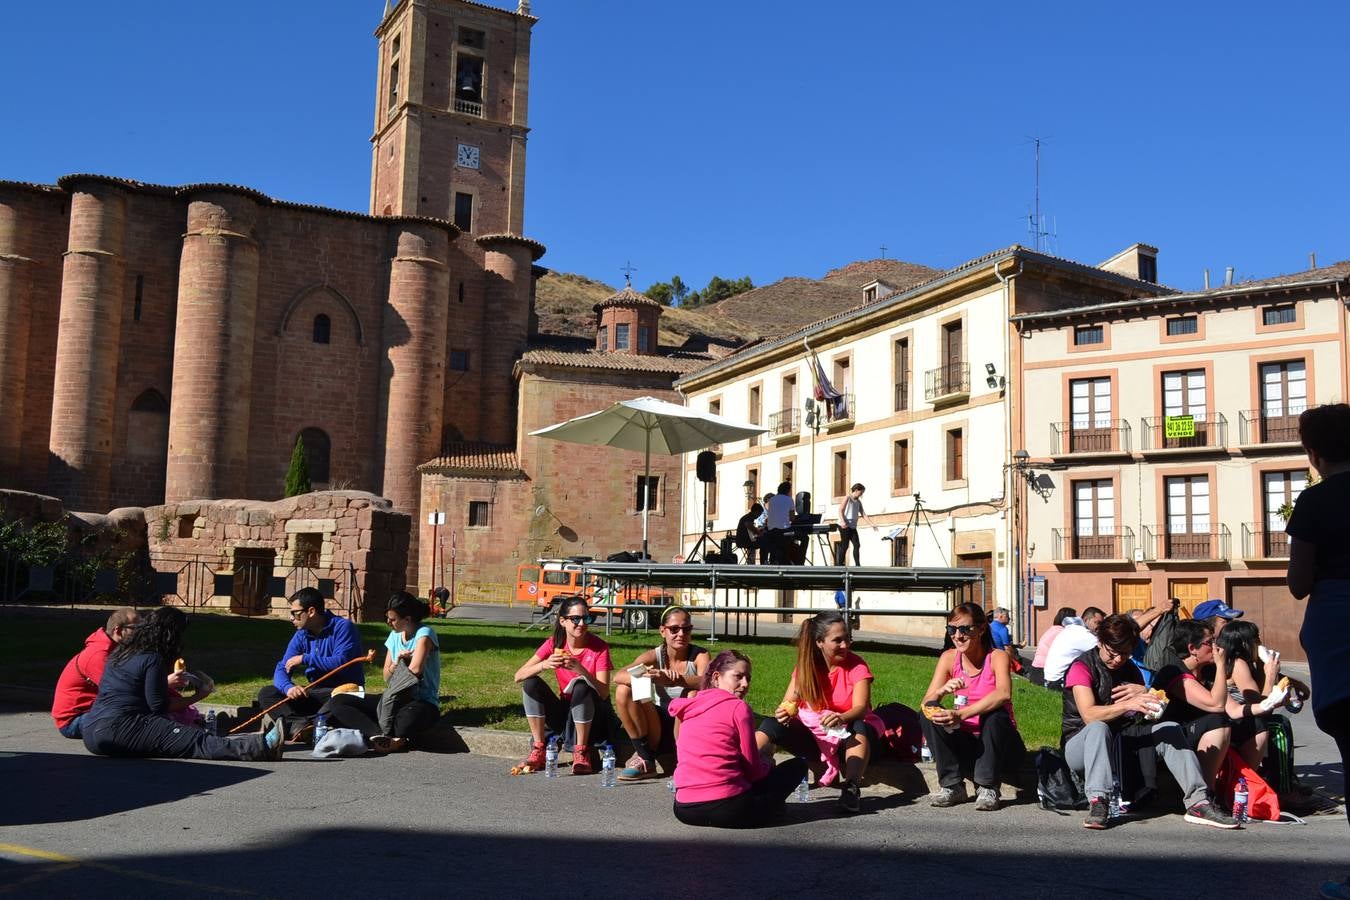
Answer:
x=1036 y=671
x=580 y=662
x=722 y=779
x=977 y=736
x=835 y=684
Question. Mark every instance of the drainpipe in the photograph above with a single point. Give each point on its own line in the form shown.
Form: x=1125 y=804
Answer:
x=1023 y=616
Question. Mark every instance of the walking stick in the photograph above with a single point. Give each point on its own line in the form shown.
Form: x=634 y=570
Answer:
x=368 y=658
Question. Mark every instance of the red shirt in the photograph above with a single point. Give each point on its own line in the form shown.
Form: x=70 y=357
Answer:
x=78 y=685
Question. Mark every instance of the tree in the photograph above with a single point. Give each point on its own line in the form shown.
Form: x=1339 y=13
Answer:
x=678 y=289
x=297 y=476
x=660 y=292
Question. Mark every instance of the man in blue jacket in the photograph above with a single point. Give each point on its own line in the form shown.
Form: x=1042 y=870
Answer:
x=322 y=642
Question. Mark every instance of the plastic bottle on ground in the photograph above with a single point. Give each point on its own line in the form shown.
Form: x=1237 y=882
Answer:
x=608 y=777
x=320 y=727
x=211 y=725
x=1240 y=801
x=551 y=760
x=803 y=794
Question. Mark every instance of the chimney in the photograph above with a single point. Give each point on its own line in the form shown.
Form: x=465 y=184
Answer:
x=1228 y=276
x=1312 y=260
x=1207 y=279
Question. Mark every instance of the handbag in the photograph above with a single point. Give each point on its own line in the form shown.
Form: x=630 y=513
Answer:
x=1262 y=802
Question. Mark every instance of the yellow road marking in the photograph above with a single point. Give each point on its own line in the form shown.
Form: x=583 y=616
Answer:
x=71 y=862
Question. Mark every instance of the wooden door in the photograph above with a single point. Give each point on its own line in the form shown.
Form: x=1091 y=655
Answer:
x=1267 y=603
x=1190 y=591
x=1128 y=595
x=252 y=579
x=984 y=562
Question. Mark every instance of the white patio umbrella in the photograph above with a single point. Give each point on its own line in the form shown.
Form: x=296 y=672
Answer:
x=651 y=426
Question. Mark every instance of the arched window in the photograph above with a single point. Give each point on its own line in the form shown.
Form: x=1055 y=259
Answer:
x=322 y=329
x=150 y=401
x=317 y=450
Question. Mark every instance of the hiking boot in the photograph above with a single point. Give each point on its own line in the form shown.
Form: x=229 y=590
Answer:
x=950 y=796
x=850 y=797
x=581 y=761
x=1097 y=815
x=638 y=769
x=1206 y=813
x=274 y=737
x=986 y=799
x=535 y=761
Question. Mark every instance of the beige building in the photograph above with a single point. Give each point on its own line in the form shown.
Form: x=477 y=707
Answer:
x=928 y=417
x=1175 y=419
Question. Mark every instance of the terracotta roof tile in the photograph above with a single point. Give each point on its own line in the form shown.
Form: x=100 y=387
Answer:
x=470 y=458
x=675 y=363
x=627 y=297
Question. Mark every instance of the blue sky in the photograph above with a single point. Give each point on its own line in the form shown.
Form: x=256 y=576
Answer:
x=756 y=138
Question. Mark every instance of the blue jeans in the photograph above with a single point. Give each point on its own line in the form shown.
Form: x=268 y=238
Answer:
x=72 y=728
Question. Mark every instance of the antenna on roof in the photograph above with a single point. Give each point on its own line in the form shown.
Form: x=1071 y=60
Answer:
x=627 y=269
x=1036 y=222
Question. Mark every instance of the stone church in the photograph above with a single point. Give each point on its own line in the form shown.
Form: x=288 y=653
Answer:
x=164 y=343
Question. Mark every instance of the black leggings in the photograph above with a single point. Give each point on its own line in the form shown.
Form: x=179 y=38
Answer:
x=847 y=536
x=760 y=805
x=1335 y=721
x=350 y=711
x=155 y=736
x=797 y=739
x=998 y=749
x=300 y=708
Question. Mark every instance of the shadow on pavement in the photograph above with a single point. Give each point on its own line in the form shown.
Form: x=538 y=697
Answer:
x=69 y=787
x=369 y=862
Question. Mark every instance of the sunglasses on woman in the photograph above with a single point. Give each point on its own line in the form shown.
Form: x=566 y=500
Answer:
x=677 y=628
x=579 y=620
x=966 y=630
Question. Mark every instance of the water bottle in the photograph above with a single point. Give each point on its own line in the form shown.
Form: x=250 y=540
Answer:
x=320 y=727
x=1113 y=809
x=551 y=760
x=211 y=725
x=608 y=777
x=803 y=794
x=1240 y=801
x=924 y=753
x=670 y=786
x=1294 y=703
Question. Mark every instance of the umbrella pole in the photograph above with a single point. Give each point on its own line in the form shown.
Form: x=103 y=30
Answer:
x=646 y=492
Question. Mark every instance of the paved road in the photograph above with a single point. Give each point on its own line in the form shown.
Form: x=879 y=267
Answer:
x=72 y=825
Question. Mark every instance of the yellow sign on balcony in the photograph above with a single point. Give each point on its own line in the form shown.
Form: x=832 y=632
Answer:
x=1179 y=426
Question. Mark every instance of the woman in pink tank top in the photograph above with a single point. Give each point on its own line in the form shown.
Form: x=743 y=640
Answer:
x=977 y=736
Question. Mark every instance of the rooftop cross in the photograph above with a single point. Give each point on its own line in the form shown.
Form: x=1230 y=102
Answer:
x=628 y=269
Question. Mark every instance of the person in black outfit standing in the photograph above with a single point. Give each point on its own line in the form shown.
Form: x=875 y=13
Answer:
x=1319 y=570
x=128 y=716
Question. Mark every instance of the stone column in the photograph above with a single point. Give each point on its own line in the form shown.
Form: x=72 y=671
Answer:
x=213 y=349
x=508 y=262
x=413 y=336
x=15 y=316
x=85 y=387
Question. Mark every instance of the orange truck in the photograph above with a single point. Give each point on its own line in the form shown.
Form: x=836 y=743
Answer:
x=544 y=583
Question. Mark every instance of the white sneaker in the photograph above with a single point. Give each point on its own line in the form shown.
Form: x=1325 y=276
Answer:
x=986 y=799
x=950 y=796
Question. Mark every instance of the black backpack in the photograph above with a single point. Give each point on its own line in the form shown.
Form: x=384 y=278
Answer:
x=1160 y=645
x=1057 y=787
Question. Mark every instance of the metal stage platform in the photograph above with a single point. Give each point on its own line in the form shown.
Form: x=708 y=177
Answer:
x=957 y=585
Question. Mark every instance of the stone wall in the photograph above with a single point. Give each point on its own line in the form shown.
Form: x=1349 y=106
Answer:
x=345 y=535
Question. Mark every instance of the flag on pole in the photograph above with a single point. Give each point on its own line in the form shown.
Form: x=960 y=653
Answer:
x=834 y=401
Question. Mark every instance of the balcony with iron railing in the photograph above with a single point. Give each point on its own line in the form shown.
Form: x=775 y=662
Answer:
x=1161 y=433
x=947 y=384
x=1106 y=545
x=1194 y=545
x=839 y=413
x=1104 y=437
x=1256 y=427
x=1260 y=542
x=785 y=425
x=469 y=107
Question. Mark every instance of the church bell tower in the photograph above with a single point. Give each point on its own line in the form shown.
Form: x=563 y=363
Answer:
x=451 y=109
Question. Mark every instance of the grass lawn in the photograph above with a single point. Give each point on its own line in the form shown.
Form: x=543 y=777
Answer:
x=479 y=660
